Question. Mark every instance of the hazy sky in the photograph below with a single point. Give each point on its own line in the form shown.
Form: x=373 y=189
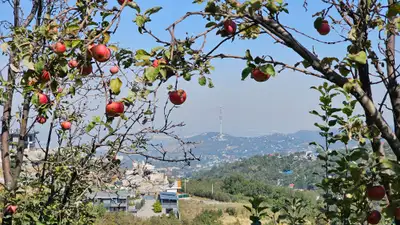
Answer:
x=249 y=108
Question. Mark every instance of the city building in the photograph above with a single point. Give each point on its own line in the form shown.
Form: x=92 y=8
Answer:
x=115 y=201
x=169 y=203
x=30 y=139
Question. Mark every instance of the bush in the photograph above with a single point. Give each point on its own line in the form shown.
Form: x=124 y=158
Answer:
x=211 y=217
x=231 y=211
x=157 y=208
x=140 y=204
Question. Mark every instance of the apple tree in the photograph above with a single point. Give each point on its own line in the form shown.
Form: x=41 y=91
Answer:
x=65 y=77
x=367 y=30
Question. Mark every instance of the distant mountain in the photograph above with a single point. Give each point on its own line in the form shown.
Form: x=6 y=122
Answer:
x=215 y=149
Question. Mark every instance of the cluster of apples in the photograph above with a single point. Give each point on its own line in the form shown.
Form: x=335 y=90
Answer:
x=100 y=53
x=177 y=97
x=230 y=28
x=377 y=193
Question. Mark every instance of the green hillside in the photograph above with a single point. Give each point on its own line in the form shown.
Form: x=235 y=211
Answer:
x=270 y=170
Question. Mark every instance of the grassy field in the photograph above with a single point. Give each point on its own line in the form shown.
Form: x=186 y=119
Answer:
x=190 y=208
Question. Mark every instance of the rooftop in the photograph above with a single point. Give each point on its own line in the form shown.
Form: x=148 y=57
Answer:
x=110 y=194
x=168 y=196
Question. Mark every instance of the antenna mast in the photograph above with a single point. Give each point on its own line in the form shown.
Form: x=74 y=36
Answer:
x=220 y=121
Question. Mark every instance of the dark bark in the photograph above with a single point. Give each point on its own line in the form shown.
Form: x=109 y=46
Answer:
x=21 y=141
x=393 y=86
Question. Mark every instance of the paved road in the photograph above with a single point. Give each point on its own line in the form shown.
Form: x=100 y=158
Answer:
x=147 y=210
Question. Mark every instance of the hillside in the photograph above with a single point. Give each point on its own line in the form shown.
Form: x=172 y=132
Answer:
x=214 y=150
x=273 y=170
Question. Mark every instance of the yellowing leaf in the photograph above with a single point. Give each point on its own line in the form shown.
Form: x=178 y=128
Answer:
x=360 y=57
x=115 y=86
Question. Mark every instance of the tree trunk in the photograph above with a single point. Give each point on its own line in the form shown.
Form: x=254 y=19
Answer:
x=5 y=135
x=21 y=141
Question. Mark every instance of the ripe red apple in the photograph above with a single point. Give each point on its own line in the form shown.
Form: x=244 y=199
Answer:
x=45 y=75
x=122 y=1
x=86 y=69
x=114 y=109
x=43 y=99
x=259 y=76
x=66 y=125
x=177 y=97
x=101 y=53
x=59 y=48
x=157 y=62
x=114 y=70
x=324 y=29
x=41 y=119
x=11 y=209
x=376 y=193
x=230 y=26
x=374 y=217
x=73 y=63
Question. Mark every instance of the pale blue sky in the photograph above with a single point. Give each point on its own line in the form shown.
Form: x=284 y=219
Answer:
x=250 y=108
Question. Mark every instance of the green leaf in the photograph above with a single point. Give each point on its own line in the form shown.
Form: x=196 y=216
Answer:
x=360 y=57
x=248 y=55
x=151 y=73
x=152 y=10
x=140 y=20
x=394 y=9
x=113 y=48
x=318 y=22
x=115 y=86
x=306 y=64
x=26 y=62
x=210 y=83
x=133 y=5
x=268 y=69
x=245 y=73
x=202 y=80
x=210 y=24
x=141 y=54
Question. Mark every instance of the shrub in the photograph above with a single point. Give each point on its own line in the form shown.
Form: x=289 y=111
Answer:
x=208 y=217
x=231 y=211
x=157 y=208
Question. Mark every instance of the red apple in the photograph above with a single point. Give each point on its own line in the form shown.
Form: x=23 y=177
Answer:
x=376 y=193
x=114 y=70
x=230 y=26
x=177 y=97
x=66 y=125
x=101 y=53
x=41 y=119
x=324 y=29
x=374 y=217
x=73 y=63
x=86 y=69
x=11 y=209
x=59 y=48
x=157 y=62
x=122 y=1
x=45 y=75
x=114 y=109
x=259 y=76
x=43 y=99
